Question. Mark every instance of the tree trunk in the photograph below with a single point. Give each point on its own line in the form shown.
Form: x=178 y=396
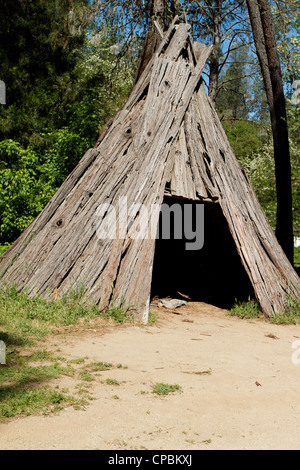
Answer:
x=265 y=41
x=159 y=13
x=161 y=16
x=215 y=56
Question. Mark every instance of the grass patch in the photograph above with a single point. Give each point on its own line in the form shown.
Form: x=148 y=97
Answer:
x=25 y=319
x=112 y=382
x=292 y=314
x=152 y=318
x=119 y=312
x=25 y=401
x=24 y=324
x=22 y=386
x=251 y=309
x=98 y=366
x=119 y=315
x=161 y=388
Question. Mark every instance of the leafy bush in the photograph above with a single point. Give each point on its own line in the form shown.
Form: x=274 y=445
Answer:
x=297 y=258
x=245 y=137
x=24 y=189
x=30 y=176
x=260 y=169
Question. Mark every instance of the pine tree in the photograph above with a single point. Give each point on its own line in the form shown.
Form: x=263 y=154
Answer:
x=39 y=41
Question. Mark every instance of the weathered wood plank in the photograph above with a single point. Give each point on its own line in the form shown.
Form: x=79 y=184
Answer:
x=182 y=183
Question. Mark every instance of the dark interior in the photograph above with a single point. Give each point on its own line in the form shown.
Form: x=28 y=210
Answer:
x=213 y=274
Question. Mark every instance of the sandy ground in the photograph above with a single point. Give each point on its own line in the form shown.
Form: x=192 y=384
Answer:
x=240 y=388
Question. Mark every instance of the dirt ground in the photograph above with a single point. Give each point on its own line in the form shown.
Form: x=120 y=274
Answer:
x=240 y=387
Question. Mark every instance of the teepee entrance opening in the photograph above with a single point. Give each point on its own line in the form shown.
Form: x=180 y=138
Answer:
x=212 y=274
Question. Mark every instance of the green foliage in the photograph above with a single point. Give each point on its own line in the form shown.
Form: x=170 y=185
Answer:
x=249 y=309
x=152 y=318
x=29 y=177
x=161 y=388
x=16 y=401
x=4 y=247
x=291 y=315
x=112 y=382
x=24 y=189
x=104 y=81
x=293 y=124
x=260 y=169
x=24 y=323
x=245 y=137
x=39 y=43
x=232 y=99
x=287 y=23
x=64 y=149
x=26 y=318
x=297 y=258
x=57 y=106
x=99 y=366
x=252 y=145
x=119 y=312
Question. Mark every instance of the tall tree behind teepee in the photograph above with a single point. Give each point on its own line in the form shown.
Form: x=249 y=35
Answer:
x=161 y=14
x=221 y=24
x=265 y=41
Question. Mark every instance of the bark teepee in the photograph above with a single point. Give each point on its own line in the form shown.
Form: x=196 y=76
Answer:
x=167 y=135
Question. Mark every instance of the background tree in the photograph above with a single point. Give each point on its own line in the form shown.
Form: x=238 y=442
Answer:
x=265 y=41
x=222 y=24
x=233 y=95
x=286 y=19
x=39 y=42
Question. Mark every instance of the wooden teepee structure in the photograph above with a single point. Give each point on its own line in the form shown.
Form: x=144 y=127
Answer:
x=167 y=136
